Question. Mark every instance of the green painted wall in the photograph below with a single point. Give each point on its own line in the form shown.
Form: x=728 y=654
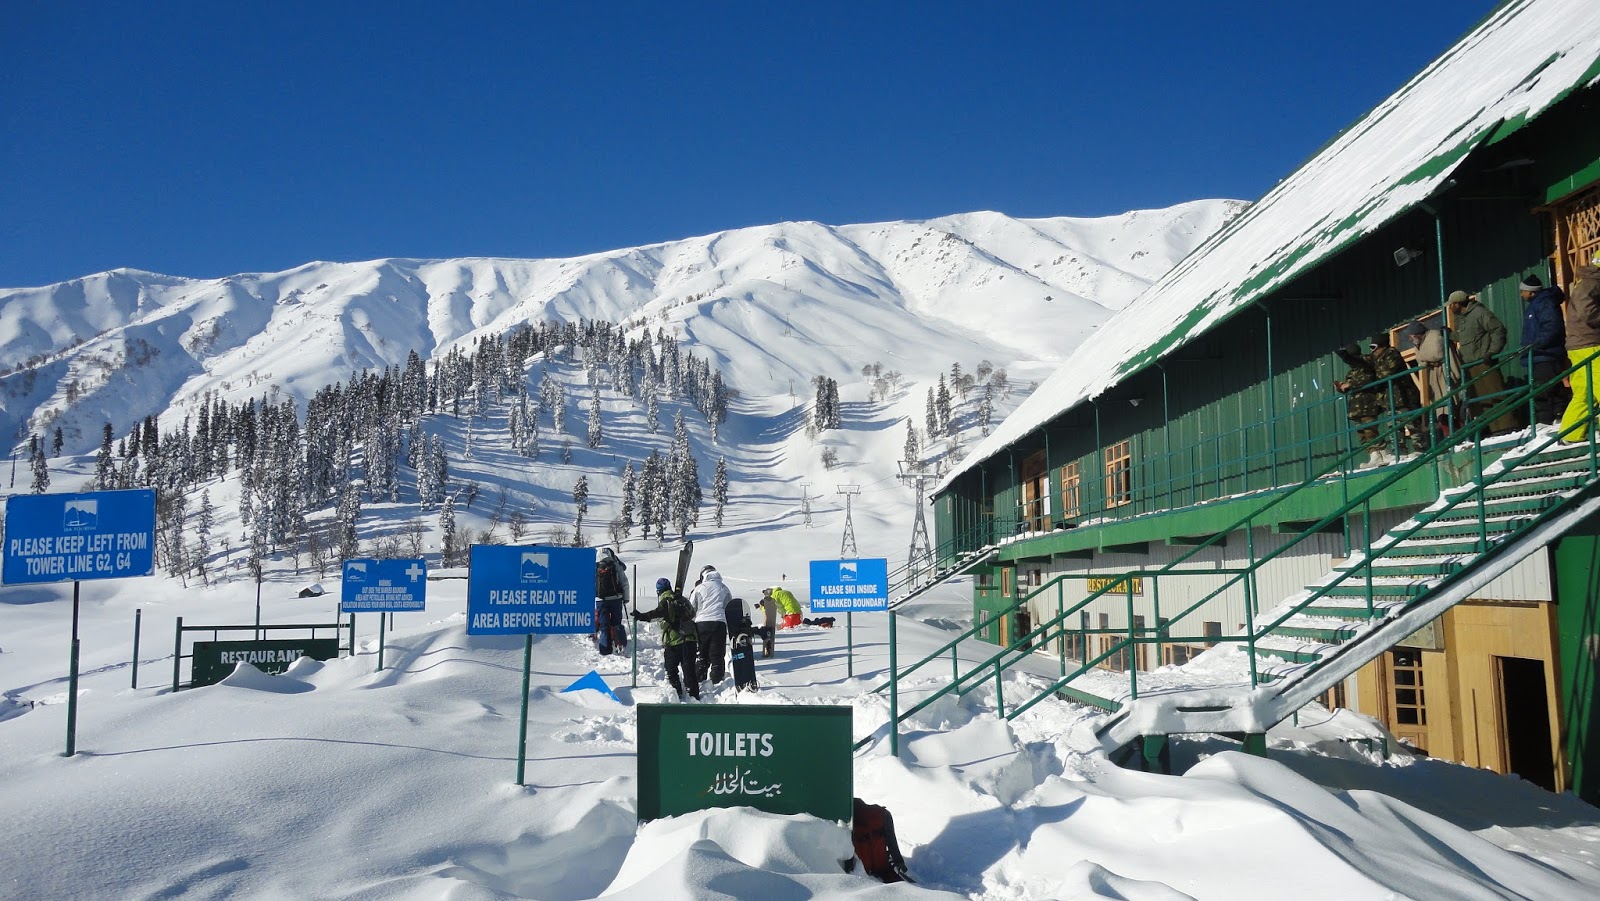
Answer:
x=1577 y=571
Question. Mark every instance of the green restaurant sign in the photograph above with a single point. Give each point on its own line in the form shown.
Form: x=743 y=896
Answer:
x=776 y=759
x=214 y=660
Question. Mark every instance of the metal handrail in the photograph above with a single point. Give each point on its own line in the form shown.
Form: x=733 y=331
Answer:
x=1474 y=428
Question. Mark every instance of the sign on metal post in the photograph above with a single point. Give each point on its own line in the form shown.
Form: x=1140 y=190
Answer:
x=528 y=590
x=372 y=586
x=74 y=537
x=778 y=759
x=850 y=586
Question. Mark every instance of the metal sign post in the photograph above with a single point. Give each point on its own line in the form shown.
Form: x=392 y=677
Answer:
x=386 y=586
x=529 y=590
x=73 y=537
x=848 y=587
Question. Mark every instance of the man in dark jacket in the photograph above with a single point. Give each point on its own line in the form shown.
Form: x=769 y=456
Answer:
x=678 y=637
x=1546 y=337
x=1583 y=343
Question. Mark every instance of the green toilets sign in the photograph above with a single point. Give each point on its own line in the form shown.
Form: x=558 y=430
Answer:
x=776 y=759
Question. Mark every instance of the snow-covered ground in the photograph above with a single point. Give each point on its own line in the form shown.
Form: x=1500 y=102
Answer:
x=340 y=781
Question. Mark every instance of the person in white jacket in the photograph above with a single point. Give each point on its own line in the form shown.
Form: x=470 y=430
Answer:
x=710 y=598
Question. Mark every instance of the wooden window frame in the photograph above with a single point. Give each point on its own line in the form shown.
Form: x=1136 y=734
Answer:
x=1119 y=473
x=1071 y=491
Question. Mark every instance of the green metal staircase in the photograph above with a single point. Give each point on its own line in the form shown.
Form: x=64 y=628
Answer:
x=953 y=557
x=1367 y=605
x=1391 y=585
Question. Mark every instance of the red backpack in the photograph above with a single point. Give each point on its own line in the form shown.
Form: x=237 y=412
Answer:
x=872 y=833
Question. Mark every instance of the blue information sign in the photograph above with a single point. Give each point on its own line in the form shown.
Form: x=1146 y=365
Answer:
x=379 y=585
x=67 y=537
x=849 y=586
x=534 y=589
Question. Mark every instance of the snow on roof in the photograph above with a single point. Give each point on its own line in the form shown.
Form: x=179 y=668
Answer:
x=1521 y=59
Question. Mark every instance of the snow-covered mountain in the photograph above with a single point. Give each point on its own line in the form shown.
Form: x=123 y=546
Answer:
x=771 y=307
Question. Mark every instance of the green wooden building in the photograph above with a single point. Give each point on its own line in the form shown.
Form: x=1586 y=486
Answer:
x=1190 y=481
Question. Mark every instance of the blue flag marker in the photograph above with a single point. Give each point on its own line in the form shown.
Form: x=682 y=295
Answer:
x=593 y=681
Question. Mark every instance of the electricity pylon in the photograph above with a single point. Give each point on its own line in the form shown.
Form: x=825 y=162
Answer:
x=847 y=547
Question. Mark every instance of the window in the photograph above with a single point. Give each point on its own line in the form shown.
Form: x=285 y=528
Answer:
x=1213 y=631
x=1410 y=705
x=1035 y=493
x=1119 y=474
x=1071 y=491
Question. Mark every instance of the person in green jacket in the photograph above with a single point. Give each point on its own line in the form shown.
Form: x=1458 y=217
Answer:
x=787 y=606
x=676 y=619
x=1480 y=338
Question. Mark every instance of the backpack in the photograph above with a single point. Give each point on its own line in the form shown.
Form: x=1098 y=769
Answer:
x=680 y=613
x=606 y=583
x=872 y=834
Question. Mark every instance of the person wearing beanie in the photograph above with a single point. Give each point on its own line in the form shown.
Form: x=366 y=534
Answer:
x=1583 y=343
x=678 y=637
x=1362 y=406
x=1545 y=335
x=1480 y=337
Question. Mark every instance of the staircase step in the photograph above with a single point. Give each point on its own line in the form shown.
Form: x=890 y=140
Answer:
x=1384 y=568
x=1321 y=635
x=1326 y=609
x=1292 y=650
x=1355 y=587
x=1469 y=526
x=1079 y=696
x=1413 y=547
x=1513 y=506
x=1536 y=487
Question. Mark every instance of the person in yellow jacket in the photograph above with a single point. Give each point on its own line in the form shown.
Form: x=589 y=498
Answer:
x=788 y=607
x=1583 y=344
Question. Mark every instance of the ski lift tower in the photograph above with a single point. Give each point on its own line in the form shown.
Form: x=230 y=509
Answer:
x=921 y=548
x=805 y=502
x=847 y=547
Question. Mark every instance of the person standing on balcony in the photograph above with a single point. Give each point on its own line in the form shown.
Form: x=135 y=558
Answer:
x=1398 y=392
x=1431 y=354
x=1545 y=335
x=1362 y=405
x=1583 y=343
x=1480 y=337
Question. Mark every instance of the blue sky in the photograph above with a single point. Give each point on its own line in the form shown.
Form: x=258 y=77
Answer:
x=204 y=139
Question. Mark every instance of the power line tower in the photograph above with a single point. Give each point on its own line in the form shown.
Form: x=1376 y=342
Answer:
x=921 y=549
x=805 y=501
x=847 y=547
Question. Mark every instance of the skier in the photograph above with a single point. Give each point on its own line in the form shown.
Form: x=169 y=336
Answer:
x=610 y=592
x=710 y=599
x=678 y=637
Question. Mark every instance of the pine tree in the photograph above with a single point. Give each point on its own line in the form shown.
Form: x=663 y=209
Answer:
x=349 y=512
x=630 y=488
x=104 y=474
x=448 y=551
x=912 y=451
x=942 y=405
x=56 y=443
x=41 y=472
x=594 y=418
x=580 y=499
x=719 y=488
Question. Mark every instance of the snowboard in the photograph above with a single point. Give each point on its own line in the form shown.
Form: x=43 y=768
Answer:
x=685 y=554
x=767 y=641
x=744 y=663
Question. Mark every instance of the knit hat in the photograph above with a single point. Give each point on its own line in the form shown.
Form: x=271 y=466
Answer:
x=1458 y=297
x=663 y=585
x=1531 y=283
x=1415 y=330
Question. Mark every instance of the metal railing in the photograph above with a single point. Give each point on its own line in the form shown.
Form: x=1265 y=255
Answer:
x=1130 y=640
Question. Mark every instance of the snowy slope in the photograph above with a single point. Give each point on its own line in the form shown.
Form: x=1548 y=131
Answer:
x=772 y=306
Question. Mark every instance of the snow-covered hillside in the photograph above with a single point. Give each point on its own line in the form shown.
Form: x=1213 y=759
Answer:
x=772 y=306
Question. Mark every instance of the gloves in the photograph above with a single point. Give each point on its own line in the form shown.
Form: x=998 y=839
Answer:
x=634 y=614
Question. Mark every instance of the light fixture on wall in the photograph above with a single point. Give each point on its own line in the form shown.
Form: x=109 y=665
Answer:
x=1405 y=255
x=1135 y=400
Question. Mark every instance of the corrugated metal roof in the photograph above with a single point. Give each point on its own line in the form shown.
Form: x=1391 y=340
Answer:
x=1516 y=63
